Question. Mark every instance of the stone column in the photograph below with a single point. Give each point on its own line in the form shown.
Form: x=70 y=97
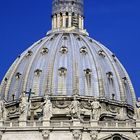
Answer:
x=58 y=21
x=64 y=20
x=54 y=21
x=70 y=20
x=80 y=22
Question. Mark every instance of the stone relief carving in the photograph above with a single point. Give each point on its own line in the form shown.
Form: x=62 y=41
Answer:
x=13 y=111
x=93 y=135
x=96 y=110
x=124 y=114
x=77 y=135
x=24 y=107
x=112 y=109
x=86 y=105
x=47 y=109
x=45 y=134
x=61 y=104
x=36 y=110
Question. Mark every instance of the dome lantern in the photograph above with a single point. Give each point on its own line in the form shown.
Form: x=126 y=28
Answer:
x=67 y=14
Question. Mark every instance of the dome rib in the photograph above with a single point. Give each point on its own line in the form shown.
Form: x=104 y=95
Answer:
x=72 y=63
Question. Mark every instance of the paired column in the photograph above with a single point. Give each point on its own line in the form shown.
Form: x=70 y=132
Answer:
x=67 y=21
x=64 y=20
x=70 y=20
x=82 y=22
x=58 y=21
x=54 y=22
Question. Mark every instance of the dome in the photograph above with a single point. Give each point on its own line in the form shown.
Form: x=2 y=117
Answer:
x=68 y=63
x=68 y=86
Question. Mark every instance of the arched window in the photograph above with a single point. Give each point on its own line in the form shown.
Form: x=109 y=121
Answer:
x=117 y=138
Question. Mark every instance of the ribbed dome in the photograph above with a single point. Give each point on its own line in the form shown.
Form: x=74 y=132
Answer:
x=67 y=64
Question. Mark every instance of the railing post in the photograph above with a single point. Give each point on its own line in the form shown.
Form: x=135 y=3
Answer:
x=94 y=123
x=22 y=123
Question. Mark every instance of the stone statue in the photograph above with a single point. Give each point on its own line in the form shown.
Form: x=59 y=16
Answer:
x=45 y=134
x=75 y=109
x=1 y=133
x=24 y=107
x=138 y=108
x=1 y=109
x=47 y=109
x=77 y=135
x=93 y=135
x=96 y=110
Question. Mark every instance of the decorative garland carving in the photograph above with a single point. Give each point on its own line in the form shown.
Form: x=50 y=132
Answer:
x=61 y=104
x=112 y=109
x=86 y=105
x=13 y=110
x=36 y=105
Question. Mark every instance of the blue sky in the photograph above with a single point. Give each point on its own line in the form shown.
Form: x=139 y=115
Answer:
x=115 y=23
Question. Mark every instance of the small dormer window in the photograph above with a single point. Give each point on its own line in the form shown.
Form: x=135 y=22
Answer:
x=91 y=40
x=29 y=53
x=83 y=50
x=124 y=80
x=117 y=138
x=113 y=96
x=109 y=75
x=37 y=72
x=62 y=71
x=87 y=71
x=44 y=51
x=78 y=38
x=114 y=57
x=63 y=49
x=39 y=41
x=13 y=97
x=101 y=53
x=5 y=80
x=72 y=2
x=18 y=75
x=65 y=38
x=51 y=38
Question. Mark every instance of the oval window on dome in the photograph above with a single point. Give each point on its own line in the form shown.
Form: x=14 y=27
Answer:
x=83 y=50
x=62 y=71
x=44 y=51
x=29 y=53
x=101 y=53
x=63 y=49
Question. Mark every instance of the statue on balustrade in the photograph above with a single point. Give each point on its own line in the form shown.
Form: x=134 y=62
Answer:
x=24 y=107
x=138 y=108
x=95 y=110
x=1 y=109
x=75 y=109
x=47 y=109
